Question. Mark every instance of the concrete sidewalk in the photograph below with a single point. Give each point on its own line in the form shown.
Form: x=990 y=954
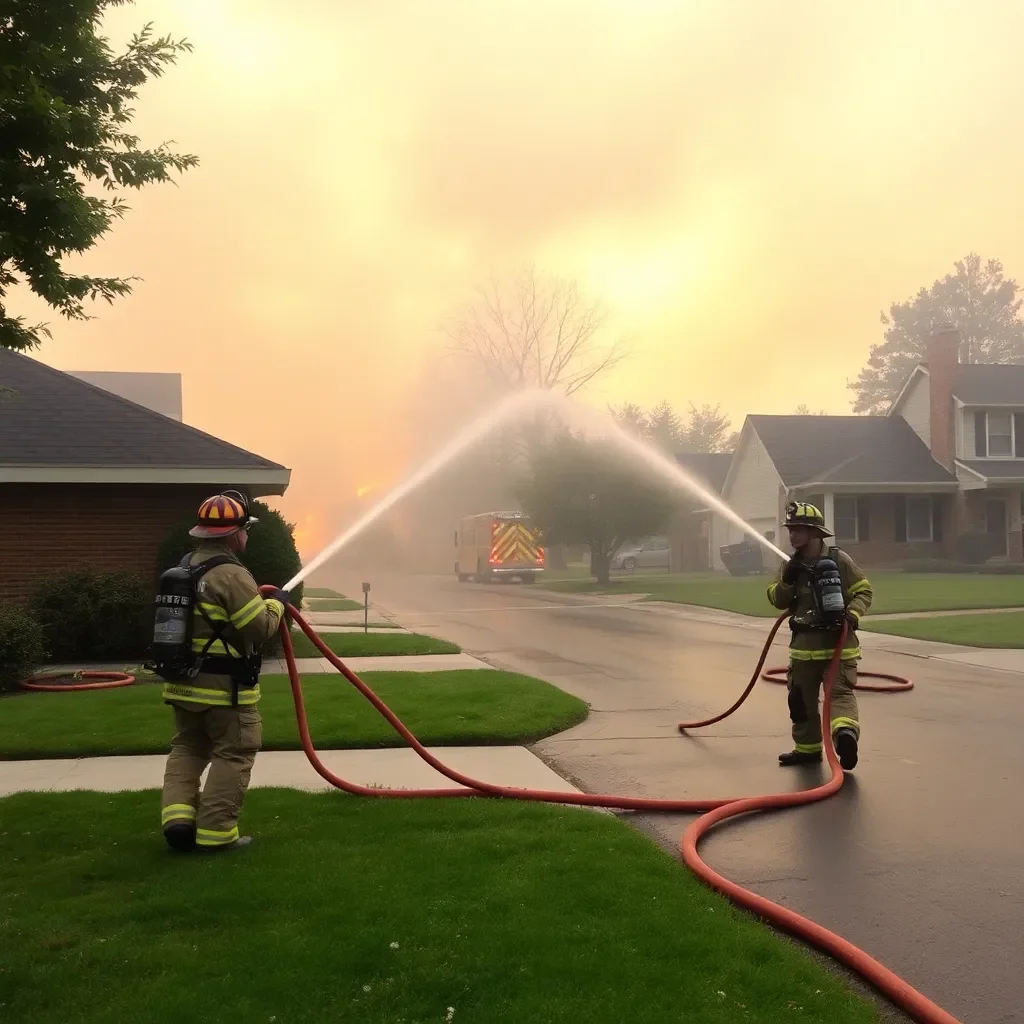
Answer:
x=397 y=768
x=384 y=663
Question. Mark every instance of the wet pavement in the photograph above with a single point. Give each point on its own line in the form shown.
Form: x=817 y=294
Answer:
x=918 y=860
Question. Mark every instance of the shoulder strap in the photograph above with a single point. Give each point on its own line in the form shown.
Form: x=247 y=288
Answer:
x=211 y=563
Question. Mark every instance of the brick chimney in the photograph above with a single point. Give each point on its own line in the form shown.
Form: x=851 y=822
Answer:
x=942 y=356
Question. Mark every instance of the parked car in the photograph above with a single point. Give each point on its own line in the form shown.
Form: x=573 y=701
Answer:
x=649 y=553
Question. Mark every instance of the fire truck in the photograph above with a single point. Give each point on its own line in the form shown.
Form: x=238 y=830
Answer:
x=498 y=545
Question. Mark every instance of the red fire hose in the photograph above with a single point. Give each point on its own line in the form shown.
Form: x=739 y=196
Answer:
x=918 y=1006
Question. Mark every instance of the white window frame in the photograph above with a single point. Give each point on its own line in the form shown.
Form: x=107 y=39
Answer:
x=931 y=519
x=1013 y=431
x=855 y=536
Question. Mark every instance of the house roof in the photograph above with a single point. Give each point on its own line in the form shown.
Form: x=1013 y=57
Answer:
x=995 y=469
x=989 y=383
x=56 y=427
x=847 y=450
x=710 y=468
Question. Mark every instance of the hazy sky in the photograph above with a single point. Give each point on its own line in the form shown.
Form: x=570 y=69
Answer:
x=747 y=183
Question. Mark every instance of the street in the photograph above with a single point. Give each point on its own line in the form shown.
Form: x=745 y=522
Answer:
x=917 y=860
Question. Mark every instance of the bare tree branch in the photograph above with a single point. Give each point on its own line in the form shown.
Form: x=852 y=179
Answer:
x=536 y=333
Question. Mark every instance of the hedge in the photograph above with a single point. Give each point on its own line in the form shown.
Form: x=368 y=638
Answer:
x=90 y=615
x=22 y=646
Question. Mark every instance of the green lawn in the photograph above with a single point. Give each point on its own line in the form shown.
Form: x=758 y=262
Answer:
x=372 y=624
x=365 y=645
x=894 y=591
x=352 y=909
x=471 y=706
x=319 y=604
x=996 y=629
x=321 y=592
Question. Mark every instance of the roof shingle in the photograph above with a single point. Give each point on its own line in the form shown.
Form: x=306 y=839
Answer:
x=709 y=468
x=49 y=418
x=995 y=383
x=847 y=449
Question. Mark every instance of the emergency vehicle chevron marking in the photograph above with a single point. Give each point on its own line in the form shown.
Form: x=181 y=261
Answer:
x=513 y=542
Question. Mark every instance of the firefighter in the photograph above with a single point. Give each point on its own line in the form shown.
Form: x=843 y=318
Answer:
x=216 y=718
x=813 y=643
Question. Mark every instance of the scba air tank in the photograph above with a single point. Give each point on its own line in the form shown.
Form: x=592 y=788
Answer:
x=829 y=585
x=172 y=615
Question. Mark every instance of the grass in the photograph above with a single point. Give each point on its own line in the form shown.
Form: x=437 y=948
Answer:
x=894 y=591
x=366 y=645
x=317 y=604
x=471 y=706
x=321 y=592
x=995 y=629
x=373 y=625
x=350 y=909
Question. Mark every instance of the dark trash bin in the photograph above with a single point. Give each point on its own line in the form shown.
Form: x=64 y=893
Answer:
x=742 y=559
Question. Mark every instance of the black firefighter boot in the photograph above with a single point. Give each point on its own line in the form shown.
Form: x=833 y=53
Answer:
x=845 y=741
x=181 y=837
x=796 y=757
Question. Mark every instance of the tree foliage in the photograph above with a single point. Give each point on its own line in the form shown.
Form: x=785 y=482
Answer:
x=587 y=492
x=977 y=299
x=704 y=430
x=65 y=102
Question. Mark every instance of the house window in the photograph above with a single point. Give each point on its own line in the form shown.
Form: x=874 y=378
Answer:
x=919 y=517
x=998 y=435
x=846 y=517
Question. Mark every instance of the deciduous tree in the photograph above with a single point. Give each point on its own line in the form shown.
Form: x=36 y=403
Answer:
x=588 y=492
x=977 y=299
x=65 y=103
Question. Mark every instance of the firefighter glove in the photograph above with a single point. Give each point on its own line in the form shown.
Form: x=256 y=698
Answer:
x=281 y=595
x=794 y=569
x=852 y=623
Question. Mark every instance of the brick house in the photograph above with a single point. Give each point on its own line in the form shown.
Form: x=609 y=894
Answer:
x=945 y=460
x=90 y=478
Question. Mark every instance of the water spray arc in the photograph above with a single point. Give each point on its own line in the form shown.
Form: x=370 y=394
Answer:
x=514 y=406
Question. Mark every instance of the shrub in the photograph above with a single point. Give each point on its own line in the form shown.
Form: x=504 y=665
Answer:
x=271 y=555
x=90 y=615
x=973 y=547
x=22 y=646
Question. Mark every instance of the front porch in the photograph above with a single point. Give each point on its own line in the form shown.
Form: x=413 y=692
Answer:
x=879 y=527
x=995 y=515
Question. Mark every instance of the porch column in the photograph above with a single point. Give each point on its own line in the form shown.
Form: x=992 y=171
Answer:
x=829 y=511
x=1015 y=546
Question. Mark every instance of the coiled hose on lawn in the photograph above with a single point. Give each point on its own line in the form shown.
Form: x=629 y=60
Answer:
x=712 y=811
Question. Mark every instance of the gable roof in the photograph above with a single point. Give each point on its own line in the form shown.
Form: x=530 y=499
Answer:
x=989 y=383
x=848 y=450
x=57 y=428
x=709 y=468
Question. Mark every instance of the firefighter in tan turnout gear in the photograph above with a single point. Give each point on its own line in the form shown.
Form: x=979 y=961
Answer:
x=214 y=688
x=816 y=632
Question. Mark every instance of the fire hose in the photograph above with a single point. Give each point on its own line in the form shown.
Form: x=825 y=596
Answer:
x=902 y=994
x=712 y=811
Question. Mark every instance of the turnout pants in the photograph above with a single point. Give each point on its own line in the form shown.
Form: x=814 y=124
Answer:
x=804 y=680
x=225 y=738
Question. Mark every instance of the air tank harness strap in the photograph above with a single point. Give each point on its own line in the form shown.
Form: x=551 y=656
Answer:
x=244 y=671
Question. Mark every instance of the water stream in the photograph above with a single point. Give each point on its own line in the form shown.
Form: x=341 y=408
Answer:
x=518 y=405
